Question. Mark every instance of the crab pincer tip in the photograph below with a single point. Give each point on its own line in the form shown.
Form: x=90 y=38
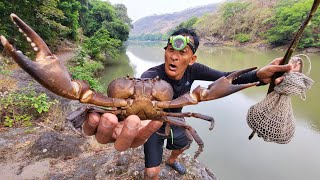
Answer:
x=12 y=15
x=3 y=40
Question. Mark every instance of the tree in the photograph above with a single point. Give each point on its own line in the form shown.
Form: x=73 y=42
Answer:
x=287 y=21
x=71 y=9
x=121 y=12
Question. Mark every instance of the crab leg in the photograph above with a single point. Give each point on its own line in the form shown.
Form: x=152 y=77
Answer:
x=218 y=89
x=50 y=72
x=190 y=114
x=190 y=132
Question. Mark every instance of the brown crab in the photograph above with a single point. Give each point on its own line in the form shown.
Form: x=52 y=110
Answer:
x=126 y=96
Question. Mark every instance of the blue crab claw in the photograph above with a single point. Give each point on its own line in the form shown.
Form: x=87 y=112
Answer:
x=47 y=69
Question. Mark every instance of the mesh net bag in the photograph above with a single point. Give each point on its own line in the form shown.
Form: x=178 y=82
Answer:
x=272 y=118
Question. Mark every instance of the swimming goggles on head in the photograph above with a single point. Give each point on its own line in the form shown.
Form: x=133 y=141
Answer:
x=179 y=42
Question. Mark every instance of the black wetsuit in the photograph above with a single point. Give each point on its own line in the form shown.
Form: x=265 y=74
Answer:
x=153 y=147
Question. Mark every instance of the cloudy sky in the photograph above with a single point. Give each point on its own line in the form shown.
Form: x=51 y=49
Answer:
x=141 y=8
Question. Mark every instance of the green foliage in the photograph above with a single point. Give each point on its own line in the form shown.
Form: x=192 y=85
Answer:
x=99 y=27
x=3 y=69
x=233 y=9
x=287 y=21
x=121 y=13
x=242 y=38
x=187 y=24
x=276 y=21
x=55 y=20
x=20 y=108
x=85 y=69
x=101 y=45
x=97 y=13
x=42 y=16
x=150 y=37
x=71 y=10
x=233 y=18
x=117 y=30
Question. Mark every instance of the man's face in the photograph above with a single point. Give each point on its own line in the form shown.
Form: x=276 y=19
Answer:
x=176 y=62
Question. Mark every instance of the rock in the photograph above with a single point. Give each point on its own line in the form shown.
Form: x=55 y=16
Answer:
x=66 y=156
x=312 y=50
x=55 y=145
x=2 y=142
x=132 y=167
x=36 y=170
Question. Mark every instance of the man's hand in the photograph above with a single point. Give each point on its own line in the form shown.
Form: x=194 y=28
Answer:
x=265 y=74
x=130 y=133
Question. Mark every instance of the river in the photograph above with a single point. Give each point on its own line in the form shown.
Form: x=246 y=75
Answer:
x=228 y=152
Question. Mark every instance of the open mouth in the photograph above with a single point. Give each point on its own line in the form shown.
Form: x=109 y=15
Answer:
x=172 y=67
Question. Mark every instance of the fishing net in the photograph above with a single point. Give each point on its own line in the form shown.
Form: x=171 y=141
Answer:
x=272 y=118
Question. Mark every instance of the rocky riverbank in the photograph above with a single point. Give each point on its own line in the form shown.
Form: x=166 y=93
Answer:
x=260 y=44
x=51 y=149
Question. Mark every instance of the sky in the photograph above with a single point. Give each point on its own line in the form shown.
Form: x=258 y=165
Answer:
x=141 y=8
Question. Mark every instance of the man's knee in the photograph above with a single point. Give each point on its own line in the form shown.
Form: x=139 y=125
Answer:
x=151 y=173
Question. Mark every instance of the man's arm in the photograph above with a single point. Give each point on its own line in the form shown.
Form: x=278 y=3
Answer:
x=202 y=72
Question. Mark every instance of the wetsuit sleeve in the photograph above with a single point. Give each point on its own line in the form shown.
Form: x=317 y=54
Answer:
x=202 y=72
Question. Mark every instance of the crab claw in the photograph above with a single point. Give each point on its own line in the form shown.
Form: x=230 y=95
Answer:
x=47 y=69
x=218 y=89
x=50 y=72
x=222 y=87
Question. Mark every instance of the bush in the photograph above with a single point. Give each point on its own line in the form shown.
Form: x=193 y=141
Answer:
x=18 y=109
x=4 y=70
x=242 y=38
x=287 y=21
x=86 y=72
x=101 y=45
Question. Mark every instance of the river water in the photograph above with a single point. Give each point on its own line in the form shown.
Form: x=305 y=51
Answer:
x=228 y=152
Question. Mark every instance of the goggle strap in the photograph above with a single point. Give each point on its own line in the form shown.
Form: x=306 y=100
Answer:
x=193 y=48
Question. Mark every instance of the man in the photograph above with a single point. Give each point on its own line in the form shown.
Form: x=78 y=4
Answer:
x=180 y=70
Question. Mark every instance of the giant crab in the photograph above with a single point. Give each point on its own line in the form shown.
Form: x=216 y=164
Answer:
x=125 y=96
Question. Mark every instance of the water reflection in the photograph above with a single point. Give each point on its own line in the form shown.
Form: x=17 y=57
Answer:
x=227 y=150
x=115 y=69
x=140 y=65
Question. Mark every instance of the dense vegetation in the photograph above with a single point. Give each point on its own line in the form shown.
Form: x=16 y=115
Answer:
x=97 y=28
x=274 y=22
x=253 y=21
x=75 y=20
